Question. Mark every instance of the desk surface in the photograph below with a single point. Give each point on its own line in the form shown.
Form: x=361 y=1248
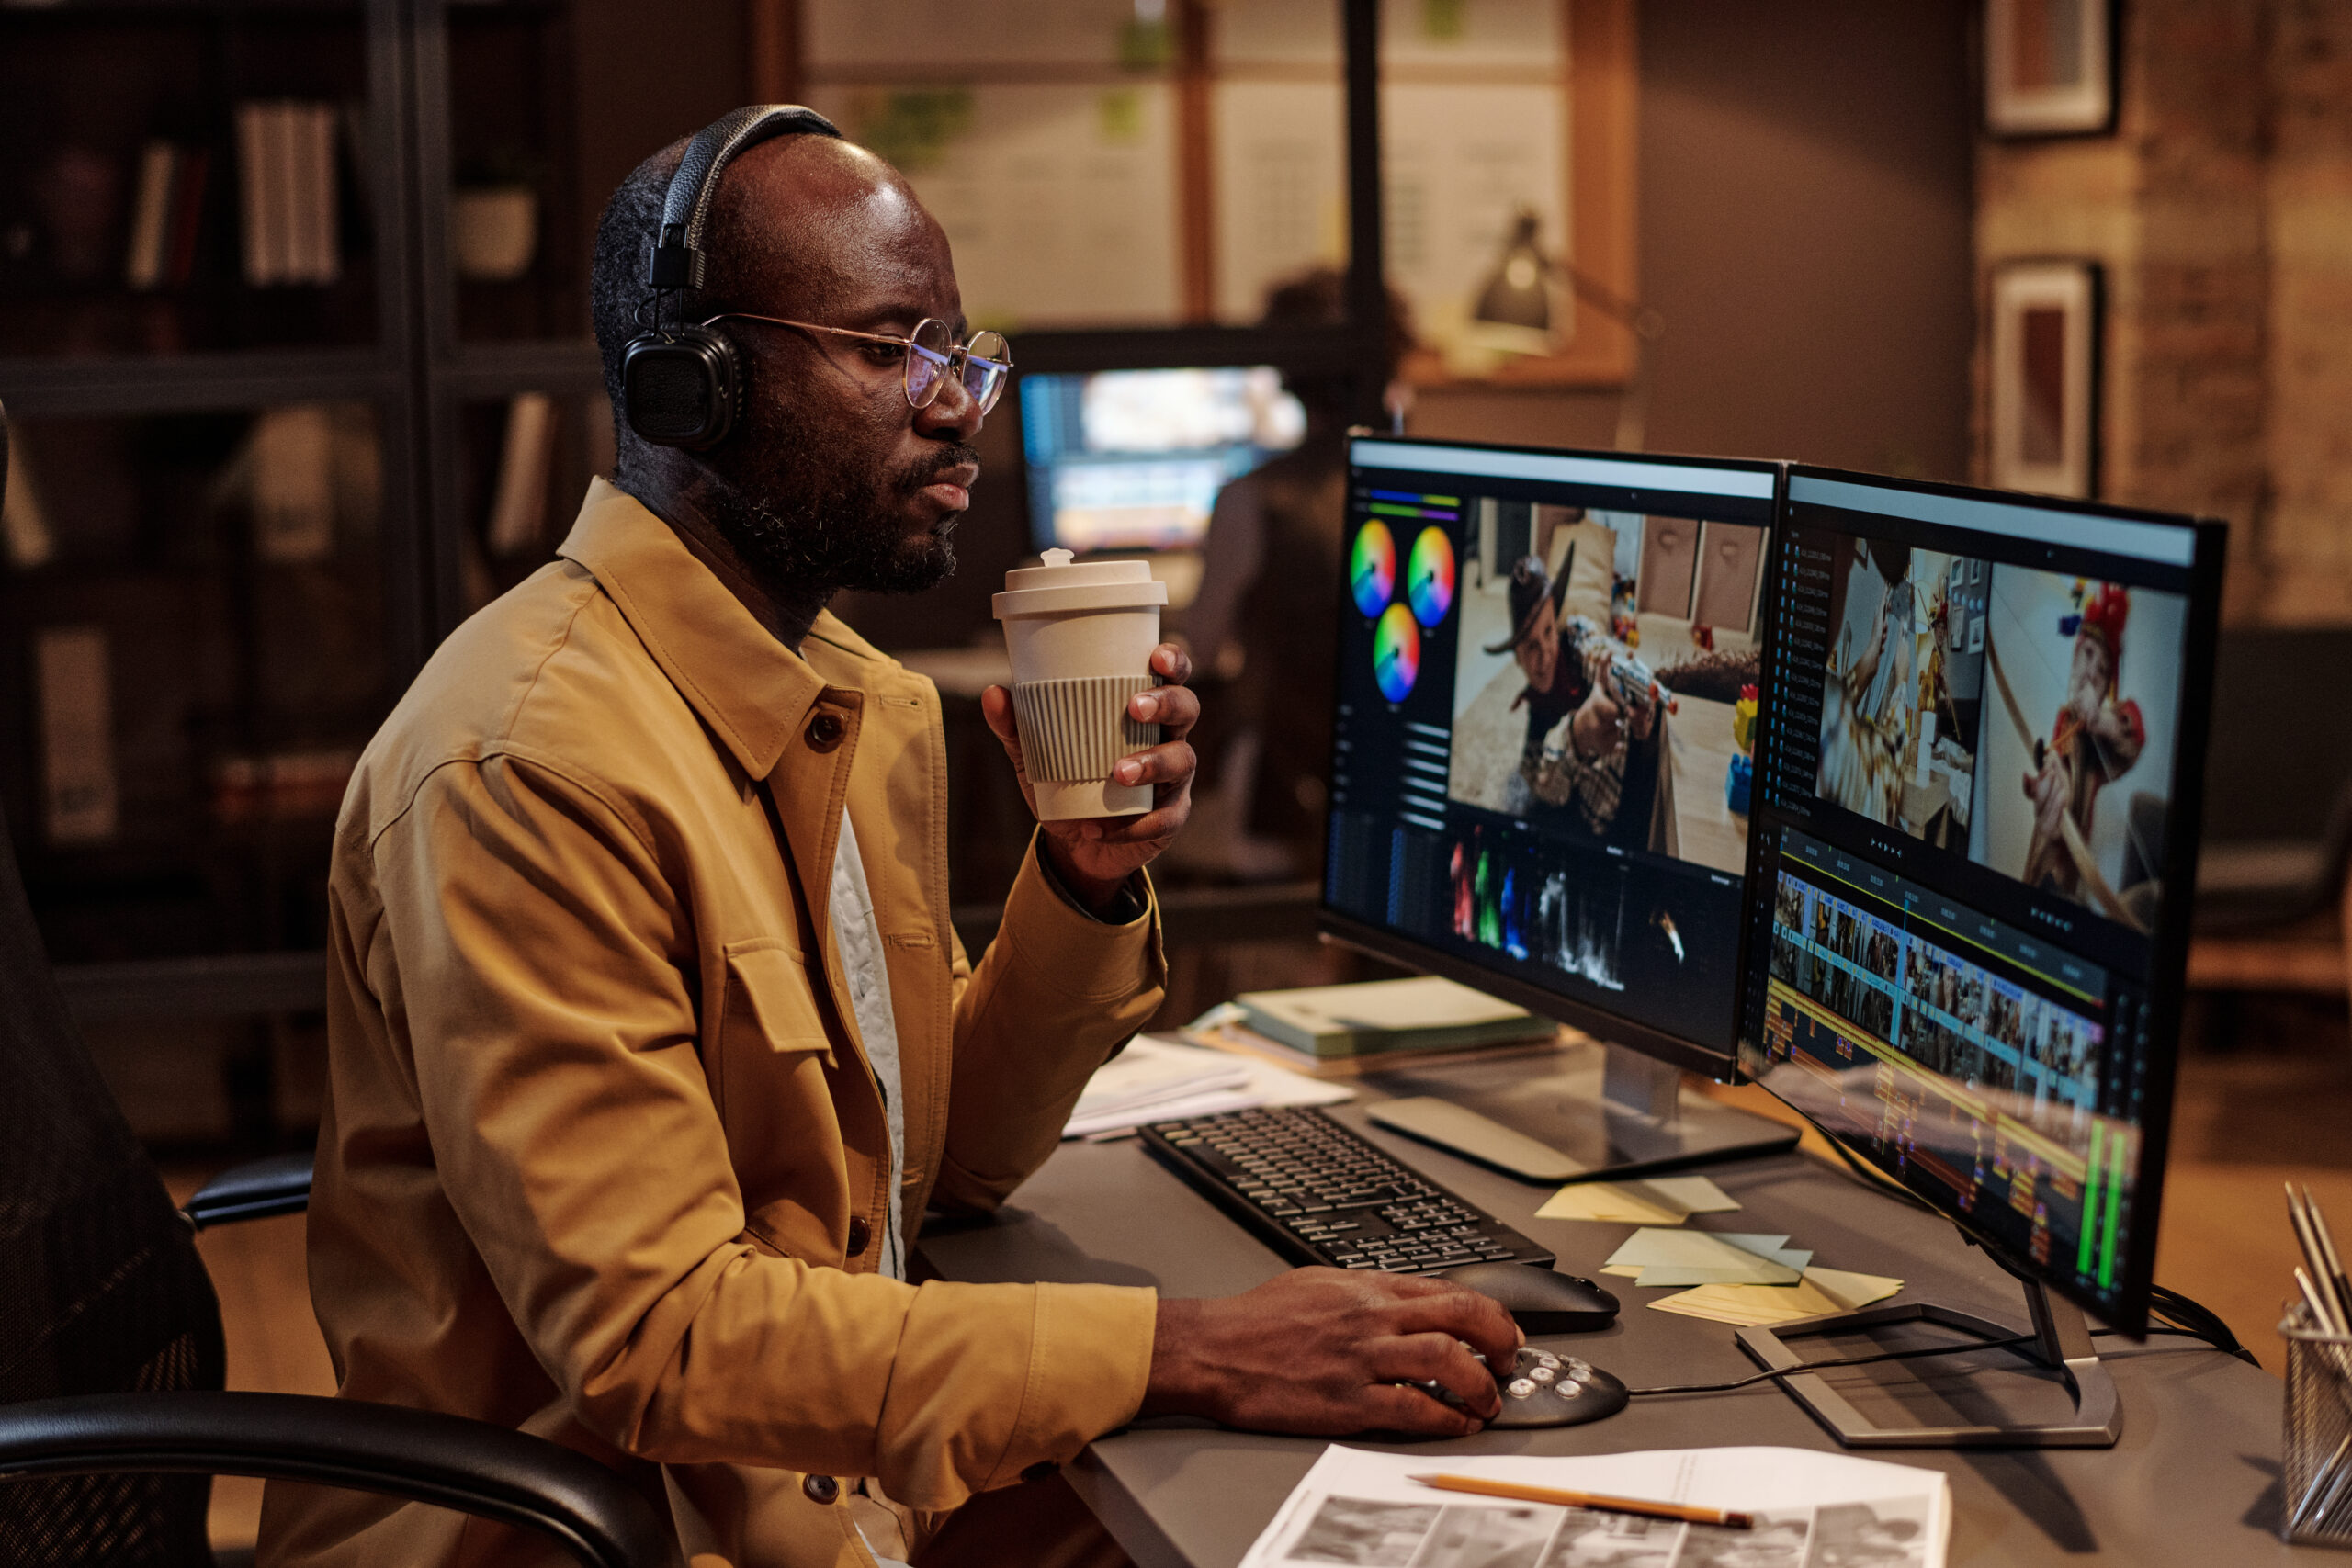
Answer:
x=2195 y=1478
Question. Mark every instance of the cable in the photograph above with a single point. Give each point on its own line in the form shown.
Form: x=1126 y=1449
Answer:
x=1825 y=1366
x=2233 y=1348
x=2184 y=1312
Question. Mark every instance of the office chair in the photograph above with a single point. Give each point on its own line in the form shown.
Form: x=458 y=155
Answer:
x=112 y=1418
x=2277 y=827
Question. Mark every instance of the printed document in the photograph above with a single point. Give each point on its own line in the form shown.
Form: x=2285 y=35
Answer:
x=1812 y=1510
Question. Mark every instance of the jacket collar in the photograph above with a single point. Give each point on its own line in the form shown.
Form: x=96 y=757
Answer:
x=752 y=690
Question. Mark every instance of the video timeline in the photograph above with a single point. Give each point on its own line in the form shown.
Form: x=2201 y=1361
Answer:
x=1970 y=1069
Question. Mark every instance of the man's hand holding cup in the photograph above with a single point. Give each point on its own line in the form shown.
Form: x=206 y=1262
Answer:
x=1098 y=717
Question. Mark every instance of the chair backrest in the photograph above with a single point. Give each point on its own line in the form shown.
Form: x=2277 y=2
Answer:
x=101 y=1290
x=2275 y=764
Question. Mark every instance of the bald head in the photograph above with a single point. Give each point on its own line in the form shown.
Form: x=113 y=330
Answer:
x=797 y=222
x=802 y=221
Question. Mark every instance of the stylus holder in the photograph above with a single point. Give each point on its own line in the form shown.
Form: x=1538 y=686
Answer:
x=2319 y=1433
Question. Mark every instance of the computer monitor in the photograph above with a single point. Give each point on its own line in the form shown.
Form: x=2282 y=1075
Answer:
x=1131 y=460
x=1541 y=768
x=1974 y=854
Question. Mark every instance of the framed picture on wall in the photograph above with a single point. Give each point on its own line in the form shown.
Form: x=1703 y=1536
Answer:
x=2049 y=67
x=2045 y=376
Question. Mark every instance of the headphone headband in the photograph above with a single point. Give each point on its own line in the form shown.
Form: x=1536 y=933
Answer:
x=677 y=260
x=681 y=385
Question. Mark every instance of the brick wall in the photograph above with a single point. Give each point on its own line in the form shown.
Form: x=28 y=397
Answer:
x=2222 y=210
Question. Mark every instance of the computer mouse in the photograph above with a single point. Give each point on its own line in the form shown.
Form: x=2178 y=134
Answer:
x=1543 y=1389
x=1547 y=1389
x=1540 y=1300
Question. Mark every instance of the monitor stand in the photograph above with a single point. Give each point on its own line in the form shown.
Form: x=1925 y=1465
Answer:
x=2060 y=1341
x=1610 y=1110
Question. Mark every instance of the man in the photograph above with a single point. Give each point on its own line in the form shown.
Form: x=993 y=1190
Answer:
x=1603 y=766
x=1262 y=616
x=649 y=1040
x=2095 y=740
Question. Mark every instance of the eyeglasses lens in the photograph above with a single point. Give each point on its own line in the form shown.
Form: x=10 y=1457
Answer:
x=988 y=362
x=925 y=362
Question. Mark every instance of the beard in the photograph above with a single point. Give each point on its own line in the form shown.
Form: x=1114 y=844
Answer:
x=822 y=523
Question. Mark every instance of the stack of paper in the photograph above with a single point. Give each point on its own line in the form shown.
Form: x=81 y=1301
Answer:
x=1654 y=1257
x=1662 y=1201
x=1818 y=1509
x=1819 y=1294
x=1158 y=1080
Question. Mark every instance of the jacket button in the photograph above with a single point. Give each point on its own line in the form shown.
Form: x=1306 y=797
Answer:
x=825 y=731
x=860 y=1233
x=820 y=1489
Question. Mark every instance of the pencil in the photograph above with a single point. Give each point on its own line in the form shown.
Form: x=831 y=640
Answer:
x=1562 y=1497
x=2325 y=1302
x=2337 y=1279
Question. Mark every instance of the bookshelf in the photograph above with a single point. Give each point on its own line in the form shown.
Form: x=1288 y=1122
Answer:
x=252 y=492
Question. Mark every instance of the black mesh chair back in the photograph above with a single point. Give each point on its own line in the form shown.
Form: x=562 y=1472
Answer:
x=101 y=1290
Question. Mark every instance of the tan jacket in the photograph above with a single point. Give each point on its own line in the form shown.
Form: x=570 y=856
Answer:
x=599 y=1127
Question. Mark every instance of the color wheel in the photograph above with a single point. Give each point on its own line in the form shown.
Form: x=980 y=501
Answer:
x=1371 y=568
x=1395 y=652
x=1429 y=577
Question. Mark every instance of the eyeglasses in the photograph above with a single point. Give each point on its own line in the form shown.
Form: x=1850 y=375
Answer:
x=931 y=355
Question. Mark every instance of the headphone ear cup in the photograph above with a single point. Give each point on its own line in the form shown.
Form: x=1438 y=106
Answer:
x=681 y=387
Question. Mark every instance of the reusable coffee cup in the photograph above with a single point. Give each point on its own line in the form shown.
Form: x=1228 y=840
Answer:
x=1080 y=635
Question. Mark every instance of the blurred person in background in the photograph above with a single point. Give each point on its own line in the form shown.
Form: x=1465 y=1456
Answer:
x=1264 y=624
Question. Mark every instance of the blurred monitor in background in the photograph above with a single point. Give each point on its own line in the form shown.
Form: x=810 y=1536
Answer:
x=1263 y=620
x=1126 y=460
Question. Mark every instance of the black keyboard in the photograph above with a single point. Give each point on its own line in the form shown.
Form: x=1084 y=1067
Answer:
x=1317 y=1193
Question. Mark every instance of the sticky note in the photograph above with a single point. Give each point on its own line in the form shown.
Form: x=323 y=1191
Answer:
x=1662 y=1201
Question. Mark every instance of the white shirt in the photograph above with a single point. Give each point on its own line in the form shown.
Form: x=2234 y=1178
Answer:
x=859 y=937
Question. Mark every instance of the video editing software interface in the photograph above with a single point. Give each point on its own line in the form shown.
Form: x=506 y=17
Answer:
x=1546 y=701
x=1976 y=735
x=1133 y=459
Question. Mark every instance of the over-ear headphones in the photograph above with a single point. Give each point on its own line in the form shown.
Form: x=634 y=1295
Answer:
x=682 y=384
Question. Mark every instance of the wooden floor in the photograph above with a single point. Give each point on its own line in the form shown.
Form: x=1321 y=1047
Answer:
x=2275 y=1108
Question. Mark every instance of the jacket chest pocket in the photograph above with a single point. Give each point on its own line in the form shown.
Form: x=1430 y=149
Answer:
x=773 y=1075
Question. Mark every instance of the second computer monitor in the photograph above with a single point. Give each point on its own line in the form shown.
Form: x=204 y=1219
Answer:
x=1126 y=460
x=1542 y=740
x=1977 y=824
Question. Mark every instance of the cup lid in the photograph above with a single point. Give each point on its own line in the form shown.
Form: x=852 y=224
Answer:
x=1060 y=584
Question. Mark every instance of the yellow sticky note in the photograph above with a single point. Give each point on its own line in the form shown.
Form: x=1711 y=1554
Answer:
x=1848 y=1290
x=1662 y=1201
x=1820 y=1294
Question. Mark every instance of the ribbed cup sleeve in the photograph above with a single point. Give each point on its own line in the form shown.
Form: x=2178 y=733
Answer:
x=1077 y=728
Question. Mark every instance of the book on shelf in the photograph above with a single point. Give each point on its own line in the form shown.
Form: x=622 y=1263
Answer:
x=519 y=513
x=286 y=172
x=150 y=215
x=24 y=521
x=1425 y=1013
x=78 y=786
x=167 y=213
